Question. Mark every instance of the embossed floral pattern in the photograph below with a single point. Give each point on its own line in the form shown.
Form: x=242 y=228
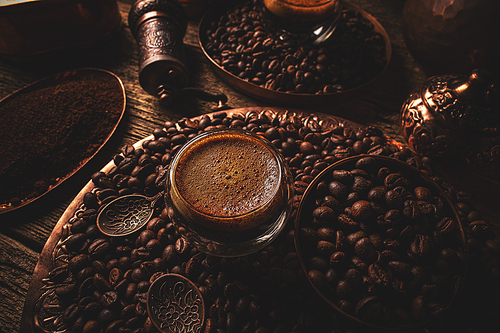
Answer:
x=175 y=308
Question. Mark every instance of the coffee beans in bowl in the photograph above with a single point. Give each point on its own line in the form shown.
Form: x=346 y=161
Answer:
x=380 y=242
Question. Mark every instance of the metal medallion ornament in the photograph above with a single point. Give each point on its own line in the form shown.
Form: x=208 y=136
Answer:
x=175 y=305
x=127 y=214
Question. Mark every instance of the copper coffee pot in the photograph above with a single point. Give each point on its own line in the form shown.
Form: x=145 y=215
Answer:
x=454 y=117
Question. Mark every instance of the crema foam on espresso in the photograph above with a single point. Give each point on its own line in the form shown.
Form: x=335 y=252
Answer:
x=227 y=176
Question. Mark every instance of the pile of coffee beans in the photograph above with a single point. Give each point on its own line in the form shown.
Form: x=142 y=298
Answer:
x=99 y=283
x=354 y=55
x=381 y=243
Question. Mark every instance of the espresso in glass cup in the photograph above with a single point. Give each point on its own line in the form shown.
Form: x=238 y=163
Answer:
x=229 y=192
x=309 y=21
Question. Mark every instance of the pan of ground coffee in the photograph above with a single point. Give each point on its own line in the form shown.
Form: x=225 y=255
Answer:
x=380 y=242
x=284 y=70
x=51 y=128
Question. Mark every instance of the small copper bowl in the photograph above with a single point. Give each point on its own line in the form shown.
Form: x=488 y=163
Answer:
x=29 y=28
x=372 y=266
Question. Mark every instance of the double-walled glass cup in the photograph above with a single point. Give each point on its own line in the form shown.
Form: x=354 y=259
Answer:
x=229 y=192
x=309 y=21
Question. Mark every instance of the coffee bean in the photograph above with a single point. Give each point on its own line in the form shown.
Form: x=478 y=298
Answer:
x=144 y=237
x=399 y=268
x=395 y=179
x=75 y=242
x=378 y=275
x=317 y=278
x=325 y=248
x=115 y=276
x=323 y=214
x=338 y=190
x=138 y=274
x=343 y=289
x=423 y=193
x=369 y=309
x=421 y=246
x=327 y=234
x=361 y=185
x=78 y=262
x=99 y=247
x=181 y=246
x=109 y=299
x=347 y=223
x=101 y=283
x=364 y=248
x=114 y=326
x=377 y=194
x=66 y=287
x=361 y=210
x=91 y=326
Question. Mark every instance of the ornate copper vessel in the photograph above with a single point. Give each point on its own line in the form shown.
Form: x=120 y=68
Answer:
x=159 y=27
x=452 y=116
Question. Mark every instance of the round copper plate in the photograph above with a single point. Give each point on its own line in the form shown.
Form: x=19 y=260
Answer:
x=286 y=98
x=41 y=293
x=78 y=74
x=304 y=218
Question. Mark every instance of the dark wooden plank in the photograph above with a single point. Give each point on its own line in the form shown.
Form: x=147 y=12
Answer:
x=16 y=267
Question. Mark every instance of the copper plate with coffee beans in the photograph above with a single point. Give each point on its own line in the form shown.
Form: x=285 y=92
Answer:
x=372 y=235
x=281 y=70
x=86 y=281
x=52 y=128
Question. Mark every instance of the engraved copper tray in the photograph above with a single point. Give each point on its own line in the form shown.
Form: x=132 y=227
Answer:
x=41 y=291
x=78 y=74
x=280 y=97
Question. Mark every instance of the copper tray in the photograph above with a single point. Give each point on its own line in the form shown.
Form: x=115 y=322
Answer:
x=283 y=98
x=39 y=292
x=60 y=78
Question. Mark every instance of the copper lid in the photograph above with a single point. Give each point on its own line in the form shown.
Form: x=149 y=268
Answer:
x=460 y=103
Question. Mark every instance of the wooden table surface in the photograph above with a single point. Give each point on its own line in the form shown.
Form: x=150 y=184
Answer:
x=24 y=232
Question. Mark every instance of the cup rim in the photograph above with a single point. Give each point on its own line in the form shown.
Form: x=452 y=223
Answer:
x=263 y=206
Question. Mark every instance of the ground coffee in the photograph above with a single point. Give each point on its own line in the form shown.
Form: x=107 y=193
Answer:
x=48 y=132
